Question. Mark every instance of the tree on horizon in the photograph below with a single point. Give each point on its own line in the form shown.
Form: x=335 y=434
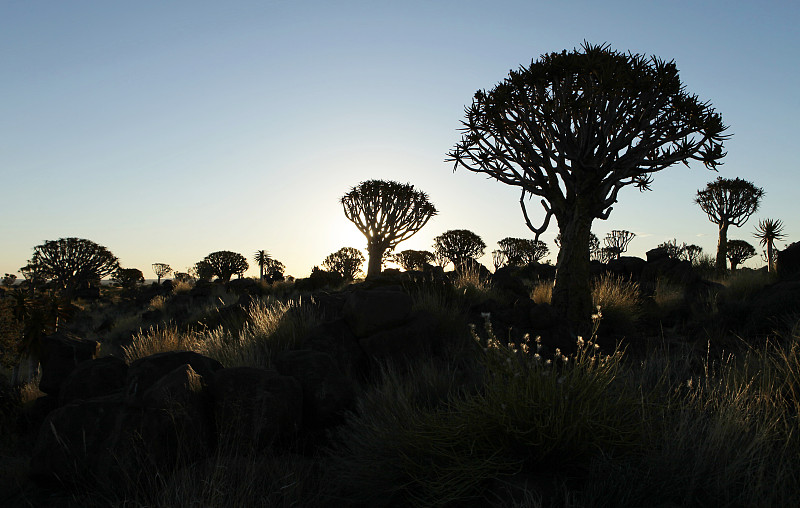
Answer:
x=459 y=246
x=575 y=128
x=262 y=257
x=386 y=213
x=161 y=270
x=728 y=202
x=768 y=232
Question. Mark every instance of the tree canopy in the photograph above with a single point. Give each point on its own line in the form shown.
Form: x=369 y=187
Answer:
x=70 y=262
x=576 y=127
x=224 y=264
x=346 y=262
x=386 y=213
x=458 y=246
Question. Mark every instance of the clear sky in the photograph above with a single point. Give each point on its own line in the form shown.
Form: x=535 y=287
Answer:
x=168 y=130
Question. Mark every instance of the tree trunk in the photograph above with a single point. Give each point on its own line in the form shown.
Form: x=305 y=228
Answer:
x=375 y=252
x=770 y=256
x=722 y=248
x=572 y=292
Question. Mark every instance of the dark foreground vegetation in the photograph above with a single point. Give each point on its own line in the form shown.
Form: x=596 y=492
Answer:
x=419 y=388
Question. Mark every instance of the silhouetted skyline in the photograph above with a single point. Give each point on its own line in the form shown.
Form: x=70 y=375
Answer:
x=169 y=132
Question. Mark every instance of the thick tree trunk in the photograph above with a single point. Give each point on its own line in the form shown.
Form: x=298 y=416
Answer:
x=770 y=257
x=722 y=248
x=572 y=292
x=375 y=252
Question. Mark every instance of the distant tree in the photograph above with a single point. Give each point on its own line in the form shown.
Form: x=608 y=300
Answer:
x=739 y=251
x=413 y=259
x=262 y=257
x=183 y=276
x=225 y=263
x=606 y=254
x=574 y=128
x=203 y=271
x=386 y=213
x=692 y=253
x=672 y=249
x=9 y=279
x=728 y=203
x=768 y=232
x=346 y=262
x=71 y=262
x=617 y=241
x=161 y=270
x=499 y=259
x=521 y=251
x=458 y=246
x=273 y=270
x=128 y=277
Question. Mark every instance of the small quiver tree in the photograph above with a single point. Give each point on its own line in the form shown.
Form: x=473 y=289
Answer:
x=386 y=213
x=225 y=263
x=768 y=232
x=261 y=257
x=617 y=242
x=413 y=259
x=574 y=128
x=739 y=251
x=161 y=270
x=459 y=246
x=522 y=251
x=128 y=277
x=728 y=202
x=346 y=262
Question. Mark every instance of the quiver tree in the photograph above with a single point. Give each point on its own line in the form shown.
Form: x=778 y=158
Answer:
x=413 y=259
x=346 y=262
x=617 y=241
x=459 y=246
x=768 y=232
x=499 y=259
x=224 y=264
x=161 y=270
x=575 y=128
x=521 y=251
x=9 y=279
x=273 y=270
x=262 y=257
x=691 y=253
x=386 y=213
x=739 y=251
x=728 y=203
x=671 y=249
x=70 y=263
x=128 y=277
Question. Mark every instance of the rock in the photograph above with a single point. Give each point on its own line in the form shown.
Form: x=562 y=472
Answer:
x=327 y=393
x=336 y=339
x=60 y=355
x=542 y=316
x=627 y=267
x=412 y=340
x=367 y=312
x=93 y=378
x=657 y=254
x=788 y=262
x=255 y=408
x=144 y=372
x=505 y=279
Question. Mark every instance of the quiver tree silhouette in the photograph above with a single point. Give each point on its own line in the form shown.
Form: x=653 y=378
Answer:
x=521 y=251
x=672 y=249
x=161 y=270
x=739 y=251
x=728 y=203
x=273 y=270
x=225 y=263
x=202 y=270
x=768 y=232
x=386 y=213
x=617 y=241
x=574 y=128
x=69 y=263
x=413 y=259
x=499 y=259
x=459 y=246
x=128 y=277
x=691 y=253
x=346 y=262
x=9 y=279
x=262 y=257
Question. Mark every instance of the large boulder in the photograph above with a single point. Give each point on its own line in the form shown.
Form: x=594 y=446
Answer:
x=627 y=267
x=144 y=372
x=788 y=262
x=60 y=355
x=337 y=339
x=505 y=280
x=412 y=340
x=255 y=408
x=327 y=393
x=368 y=312
x=93 y=378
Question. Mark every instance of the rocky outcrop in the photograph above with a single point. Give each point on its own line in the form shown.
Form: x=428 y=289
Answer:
x=60 y=355
x=93 y=378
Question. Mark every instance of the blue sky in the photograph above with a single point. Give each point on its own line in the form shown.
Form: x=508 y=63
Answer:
x=168 y=130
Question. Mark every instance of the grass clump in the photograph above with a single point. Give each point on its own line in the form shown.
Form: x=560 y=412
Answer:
x=528 y=413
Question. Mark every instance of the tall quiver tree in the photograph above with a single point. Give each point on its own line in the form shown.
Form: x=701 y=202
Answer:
x=768 y=232
x=728 y=202
x=262 y=257
x=387 y=213
x=161 y=270
x=574 y=128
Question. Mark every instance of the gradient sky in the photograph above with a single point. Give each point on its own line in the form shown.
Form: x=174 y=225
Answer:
x=168 y=130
